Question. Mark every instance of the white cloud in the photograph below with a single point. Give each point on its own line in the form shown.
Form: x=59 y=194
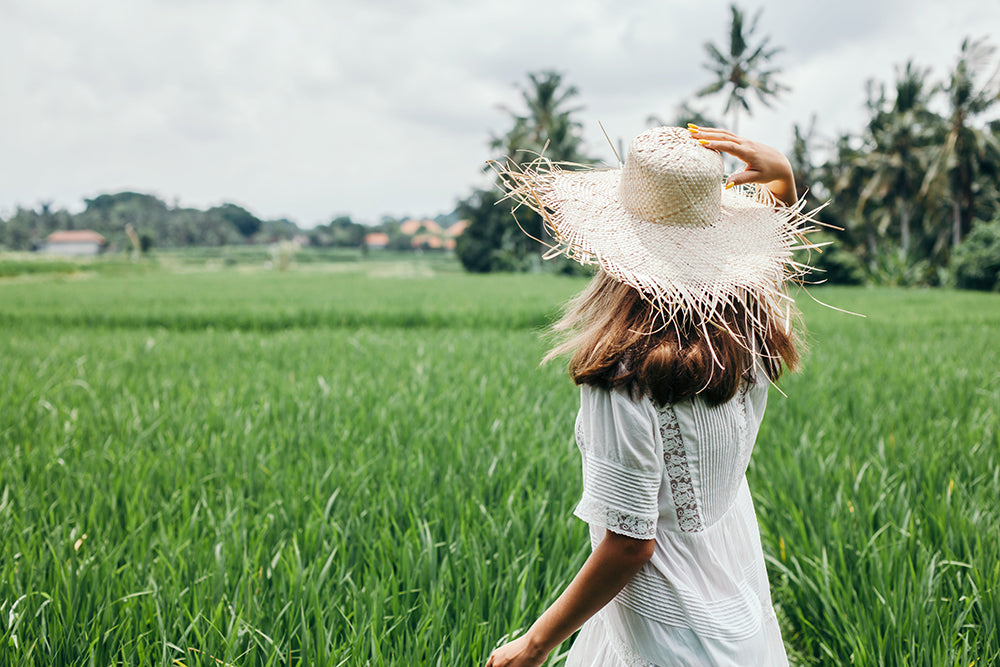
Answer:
x=308 y=108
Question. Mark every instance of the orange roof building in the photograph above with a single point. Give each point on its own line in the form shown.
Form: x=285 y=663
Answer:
x=74 y=243
x=456 y=230
x=412 y=226
x=427 y=241
x=377 y=240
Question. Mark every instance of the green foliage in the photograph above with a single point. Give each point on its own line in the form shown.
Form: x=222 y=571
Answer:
x=167 y=227
x=342 y=232
x=892 y=269
x=426 y=293
x=27 y=228
x=494 y=240
x=976 y=261
x=907 y=187
x=743 y=67
x=17 y=266
x=834 y=265
x=367 y=466
x=245 y=222
x=875 y=482
x=30 y=264
x=683 y=114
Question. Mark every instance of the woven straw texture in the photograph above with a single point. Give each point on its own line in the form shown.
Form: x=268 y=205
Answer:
x=664 y=224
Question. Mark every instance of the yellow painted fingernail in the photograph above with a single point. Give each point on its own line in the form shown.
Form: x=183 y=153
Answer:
x=729 y=185
x=690 y=125
x=702 y=142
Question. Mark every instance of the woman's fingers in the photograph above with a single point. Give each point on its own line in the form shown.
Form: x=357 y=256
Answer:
x=763 y=164
x=723 y=146
x=743 y=177
x=713 y=131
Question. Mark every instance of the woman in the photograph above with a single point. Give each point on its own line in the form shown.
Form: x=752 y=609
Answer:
x=673 y=345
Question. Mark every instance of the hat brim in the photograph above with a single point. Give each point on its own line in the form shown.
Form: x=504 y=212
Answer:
x=745 y=252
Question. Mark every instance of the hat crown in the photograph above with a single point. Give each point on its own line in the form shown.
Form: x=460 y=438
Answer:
x=670 y=178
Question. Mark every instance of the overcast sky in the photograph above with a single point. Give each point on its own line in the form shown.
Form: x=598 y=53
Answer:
x=310 y=108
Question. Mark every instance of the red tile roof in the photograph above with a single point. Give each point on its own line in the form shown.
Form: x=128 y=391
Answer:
x=412 y=226
x=458 y=228
x=376 y=239
x=76 y=236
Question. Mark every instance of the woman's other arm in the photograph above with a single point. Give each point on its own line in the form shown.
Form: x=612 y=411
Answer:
x=610 y=566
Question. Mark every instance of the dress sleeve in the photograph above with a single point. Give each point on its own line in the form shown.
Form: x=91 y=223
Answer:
x=622 y=463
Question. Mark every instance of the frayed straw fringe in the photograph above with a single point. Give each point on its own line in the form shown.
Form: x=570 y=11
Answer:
x=761 y=296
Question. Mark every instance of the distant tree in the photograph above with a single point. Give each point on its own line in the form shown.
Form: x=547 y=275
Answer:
x=844 y=176
x=743 y=67
x=968 y=151
x=346 y=232
x=801 y=158
x=27 y=228
x=900 y=133
x=109 y=214
x=245 y=222
x=341 y=232
x=976 y=261
x=683 y=114
x=547 y=123
x=493 y=240
x=276 y=230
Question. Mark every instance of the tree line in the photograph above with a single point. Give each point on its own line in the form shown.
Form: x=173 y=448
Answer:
x=156 y=223
x=915 y=190
x=159 y=225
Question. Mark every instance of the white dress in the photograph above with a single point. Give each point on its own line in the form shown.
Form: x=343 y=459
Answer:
x=677 y=474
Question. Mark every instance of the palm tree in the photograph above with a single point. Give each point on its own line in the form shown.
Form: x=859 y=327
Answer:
x=684 y=113
x=900 y=136
x=548 y=123
x=493 y=241
x=801 y=158
x=958 y=164
x=744 y=69
x=844 y=176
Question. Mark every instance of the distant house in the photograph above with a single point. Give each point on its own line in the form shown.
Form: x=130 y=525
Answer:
x=427 y=241
x=456 y=230
x=376 y=240
x=427 y=234
x=412 y=226
x=74 y=243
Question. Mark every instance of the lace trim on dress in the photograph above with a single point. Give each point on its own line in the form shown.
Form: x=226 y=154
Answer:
x=743 y=414
x=678 y=472
x=579 y=433
x=623 y=523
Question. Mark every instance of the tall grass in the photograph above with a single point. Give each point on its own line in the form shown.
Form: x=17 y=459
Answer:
x=333 y=468
x=395 y=294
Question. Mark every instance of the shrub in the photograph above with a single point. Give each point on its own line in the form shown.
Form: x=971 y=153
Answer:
x=834 y=265
x=976 y=261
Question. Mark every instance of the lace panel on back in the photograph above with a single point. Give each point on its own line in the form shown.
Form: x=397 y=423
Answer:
x=678 y=472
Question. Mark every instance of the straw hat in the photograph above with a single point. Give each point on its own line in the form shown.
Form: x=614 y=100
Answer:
x=664 y=224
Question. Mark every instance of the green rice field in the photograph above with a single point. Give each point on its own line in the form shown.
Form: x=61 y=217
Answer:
x=361 y=463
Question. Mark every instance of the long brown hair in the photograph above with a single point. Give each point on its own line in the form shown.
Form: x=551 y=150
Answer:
x=617 y=339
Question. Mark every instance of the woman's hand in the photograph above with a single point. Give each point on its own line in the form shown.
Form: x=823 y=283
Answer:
x=765 y=165
x=518 y=653
x=606 y=571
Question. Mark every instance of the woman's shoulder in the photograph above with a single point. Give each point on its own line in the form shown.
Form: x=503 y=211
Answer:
x=619 y=403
